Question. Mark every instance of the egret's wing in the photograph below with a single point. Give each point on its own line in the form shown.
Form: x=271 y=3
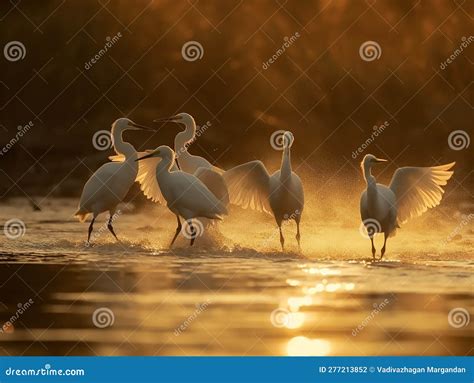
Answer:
x=117 y=158
x=193 y=195
x=417 y=189
x=146 y=177
x=215 y=183
x=249 y=186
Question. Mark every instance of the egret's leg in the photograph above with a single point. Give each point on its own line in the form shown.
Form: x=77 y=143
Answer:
x=298 y=236
x=282 y=239
x=384 y=242
x=178 y=229
x=109 y=225
x=91 y=226
x=373 y=247
x=193 y=231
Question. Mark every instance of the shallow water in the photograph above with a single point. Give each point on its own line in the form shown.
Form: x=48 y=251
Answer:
x=234 y=293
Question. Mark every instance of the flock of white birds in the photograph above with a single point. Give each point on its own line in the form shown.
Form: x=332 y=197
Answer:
x=193 y=188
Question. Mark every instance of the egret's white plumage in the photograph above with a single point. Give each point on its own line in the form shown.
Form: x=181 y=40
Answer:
x=411 y=192
x=185 y=194
x=109 y=185
x=209 y=174
x=251 y=186
x=147 y=178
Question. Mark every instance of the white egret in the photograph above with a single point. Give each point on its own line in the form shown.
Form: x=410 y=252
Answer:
x=209 y=174
x=250 y=185
x=185 y=194
x=411 y=192
x=109 y=185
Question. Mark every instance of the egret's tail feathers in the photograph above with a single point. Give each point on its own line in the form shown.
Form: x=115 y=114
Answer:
x=213 y=216
x=221 y=209
x=218 y=209
x=224 y=210
x=81 y=215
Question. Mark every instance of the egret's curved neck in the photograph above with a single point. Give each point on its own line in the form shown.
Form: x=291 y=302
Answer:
x=164 y=166
x=285 y=170
x=122 y=147
x=369 y=178
x=185 y=137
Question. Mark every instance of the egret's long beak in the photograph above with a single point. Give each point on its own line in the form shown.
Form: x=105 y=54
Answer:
x=168 y=119
x=378 y=160
x=134 y=126
x=151 y=154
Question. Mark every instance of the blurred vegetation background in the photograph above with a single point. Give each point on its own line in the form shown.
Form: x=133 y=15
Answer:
x=320 y=88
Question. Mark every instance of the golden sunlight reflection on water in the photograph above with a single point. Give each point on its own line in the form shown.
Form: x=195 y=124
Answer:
x=319 y=297
x=303 y=346
x=294 y=320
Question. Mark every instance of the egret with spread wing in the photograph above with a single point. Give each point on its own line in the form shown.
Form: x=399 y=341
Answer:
x=251 y=186
x=185 y=194
x=209 y=174
x=411 y=192
x=109 y=185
